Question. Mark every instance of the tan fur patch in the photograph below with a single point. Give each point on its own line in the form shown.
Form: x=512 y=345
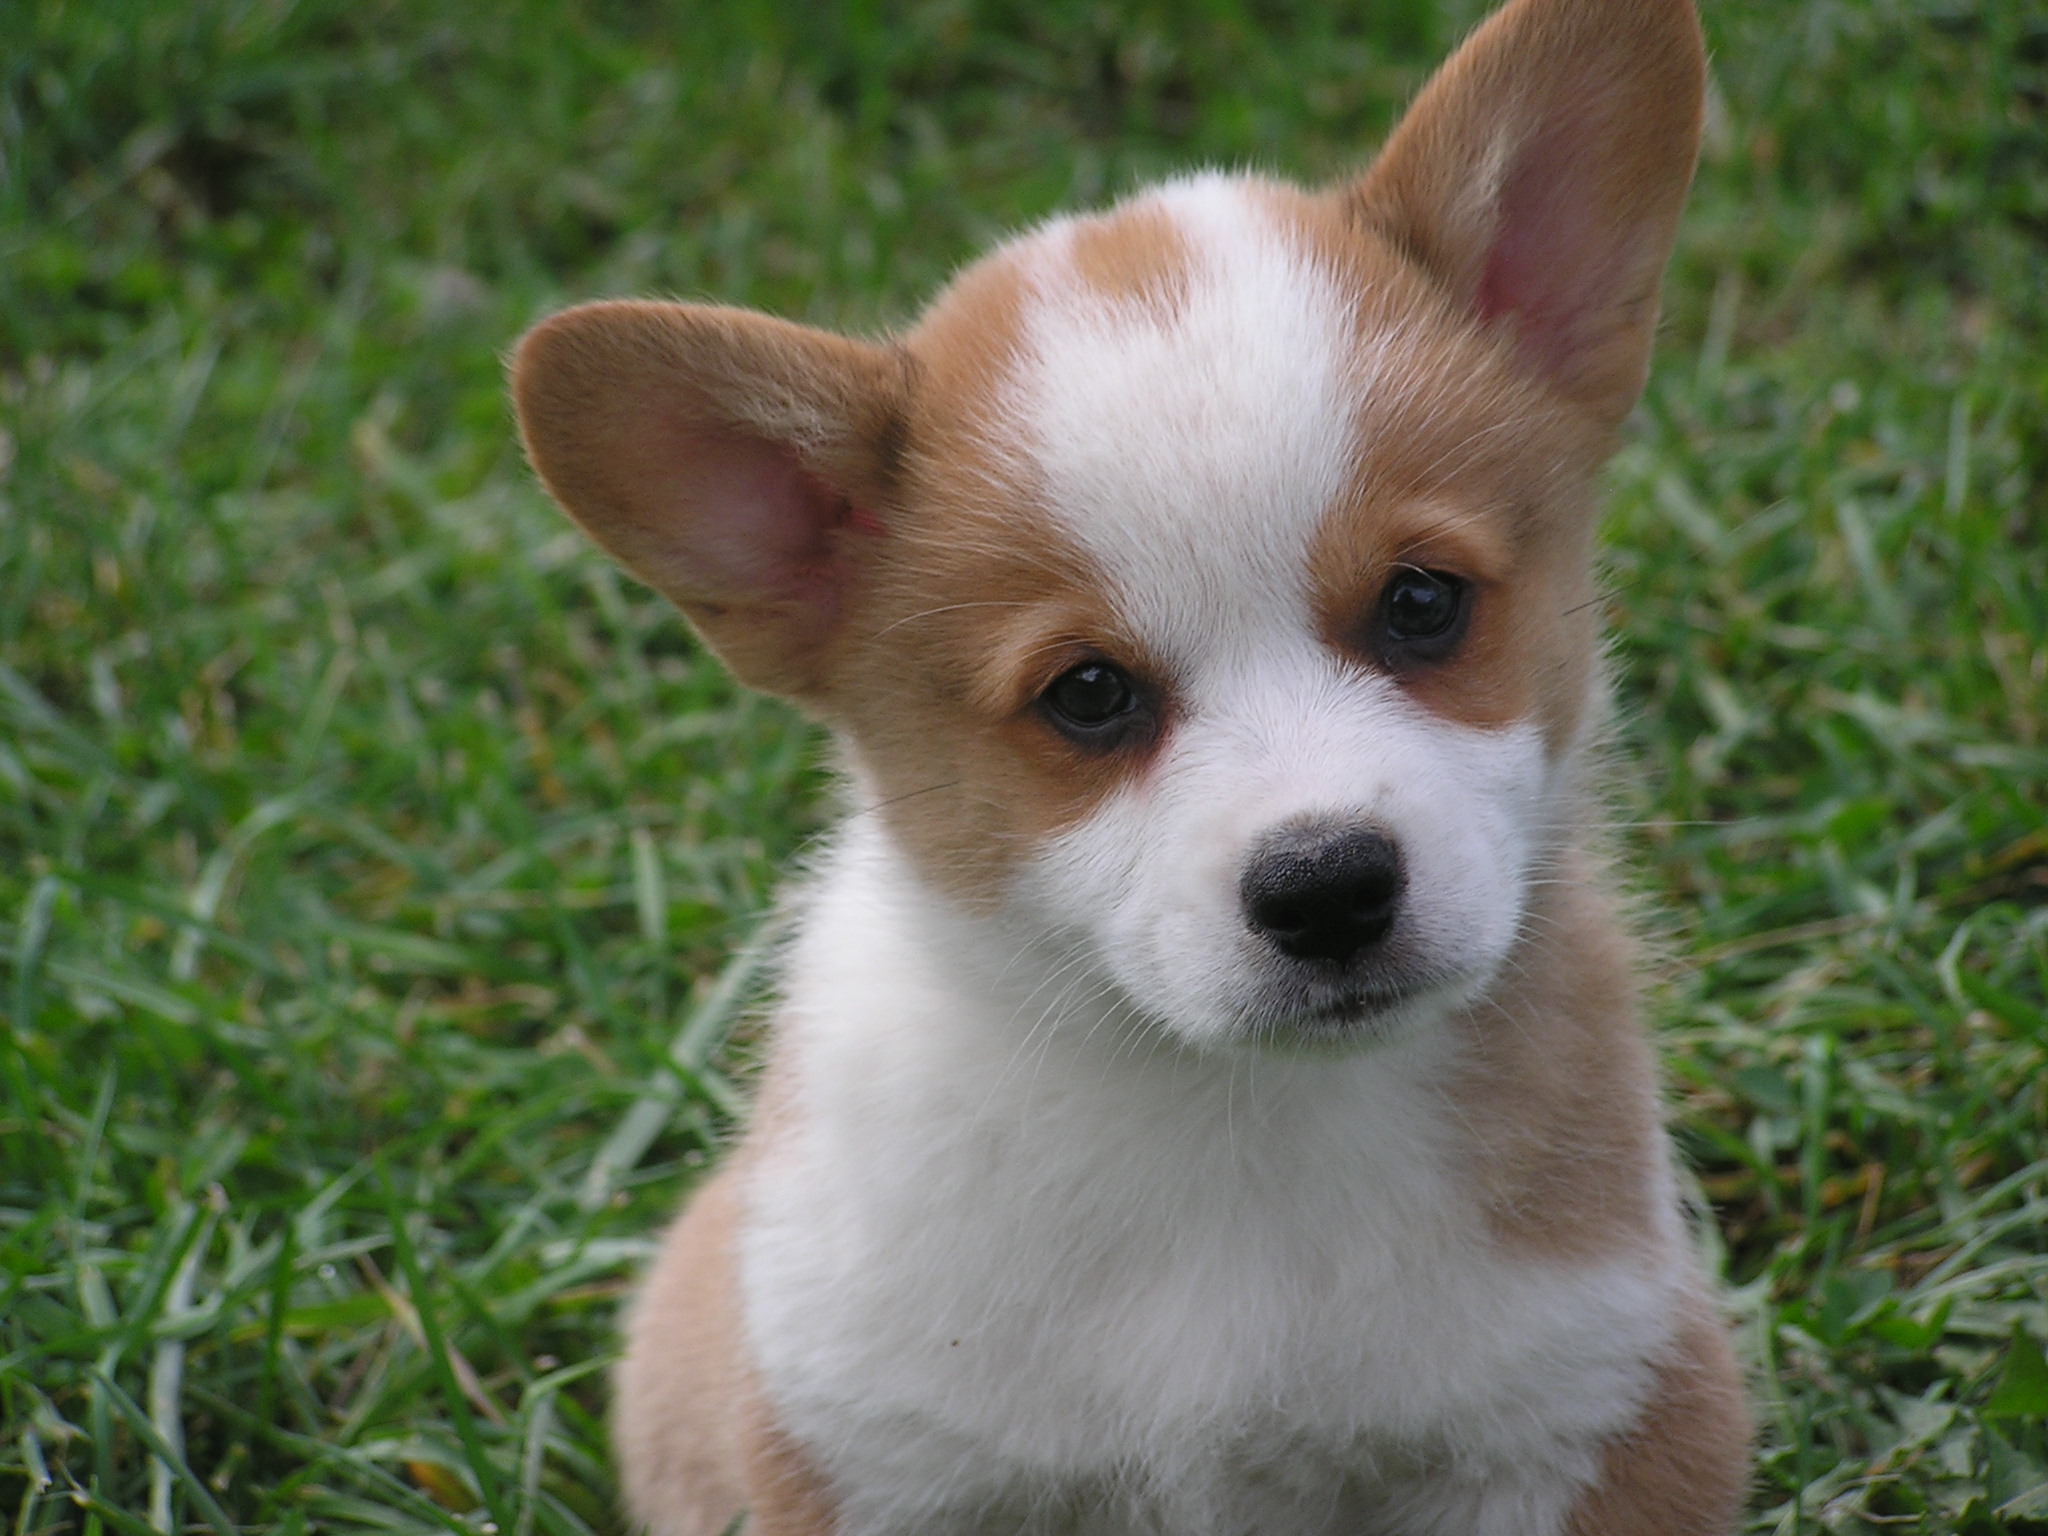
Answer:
x=679 y=1390
x=1530 y=646
x=1558 y=1087
x=1135 y=256
x=972 y=605
x=695 y=1438
x=789 y=1498
x=965 y=632
x=1684 y=1469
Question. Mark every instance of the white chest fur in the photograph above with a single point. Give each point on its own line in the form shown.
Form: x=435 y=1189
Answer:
x=1006 y=1270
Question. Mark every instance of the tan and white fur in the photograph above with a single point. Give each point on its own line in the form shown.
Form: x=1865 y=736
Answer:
x=1084 y=1195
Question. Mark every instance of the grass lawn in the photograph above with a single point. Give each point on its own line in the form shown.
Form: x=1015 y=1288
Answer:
x=372 y=857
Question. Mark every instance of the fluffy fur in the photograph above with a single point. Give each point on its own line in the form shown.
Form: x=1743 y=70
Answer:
x=1075 y=1201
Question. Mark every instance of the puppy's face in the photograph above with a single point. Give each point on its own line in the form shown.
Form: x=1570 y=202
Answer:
x=1234 y=616
x=1202 y=589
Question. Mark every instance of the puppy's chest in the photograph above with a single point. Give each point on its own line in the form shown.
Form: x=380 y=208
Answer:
x=1209 y=1306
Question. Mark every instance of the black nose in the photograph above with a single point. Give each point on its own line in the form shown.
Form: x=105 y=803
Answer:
x=1323 y=893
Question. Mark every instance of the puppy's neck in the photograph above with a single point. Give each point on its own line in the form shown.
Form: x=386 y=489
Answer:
x=1530 y=1115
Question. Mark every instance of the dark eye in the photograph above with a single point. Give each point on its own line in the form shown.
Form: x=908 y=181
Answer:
x=1093 y=703
x=1422 y=613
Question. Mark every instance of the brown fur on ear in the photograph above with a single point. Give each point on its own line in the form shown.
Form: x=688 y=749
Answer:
x=1539 y=176
x=731 y=461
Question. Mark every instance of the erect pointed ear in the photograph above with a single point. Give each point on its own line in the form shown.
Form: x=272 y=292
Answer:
x=732 y=462
x=1539 y=177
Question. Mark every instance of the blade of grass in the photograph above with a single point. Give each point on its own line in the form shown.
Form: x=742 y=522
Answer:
x=273 y=1323
x=706 y=1026
x=319 y=1453
x=138 y=1422
x=457 y=1403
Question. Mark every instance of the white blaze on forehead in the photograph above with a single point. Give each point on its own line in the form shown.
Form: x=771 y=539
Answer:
x=1194 y=446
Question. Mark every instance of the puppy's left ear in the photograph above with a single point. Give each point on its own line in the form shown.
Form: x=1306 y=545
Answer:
x=735 y=463
x=1539 y=176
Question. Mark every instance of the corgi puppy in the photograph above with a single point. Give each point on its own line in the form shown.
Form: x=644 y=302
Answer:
x=1207 y=1096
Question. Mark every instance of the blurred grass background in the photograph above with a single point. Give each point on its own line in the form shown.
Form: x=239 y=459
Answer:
x=369 y=851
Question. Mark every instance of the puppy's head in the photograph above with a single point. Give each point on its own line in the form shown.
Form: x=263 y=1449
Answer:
x=1205 y=585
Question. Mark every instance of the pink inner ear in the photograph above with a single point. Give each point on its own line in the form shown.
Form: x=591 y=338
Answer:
x=754 y=525
x=1560 y=257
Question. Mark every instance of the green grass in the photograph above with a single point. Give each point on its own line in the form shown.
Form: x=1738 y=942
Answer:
x=369 y=851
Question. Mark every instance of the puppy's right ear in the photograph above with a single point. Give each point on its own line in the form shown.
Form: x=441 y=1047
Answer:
x=735 y=463
x=1538 y=178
